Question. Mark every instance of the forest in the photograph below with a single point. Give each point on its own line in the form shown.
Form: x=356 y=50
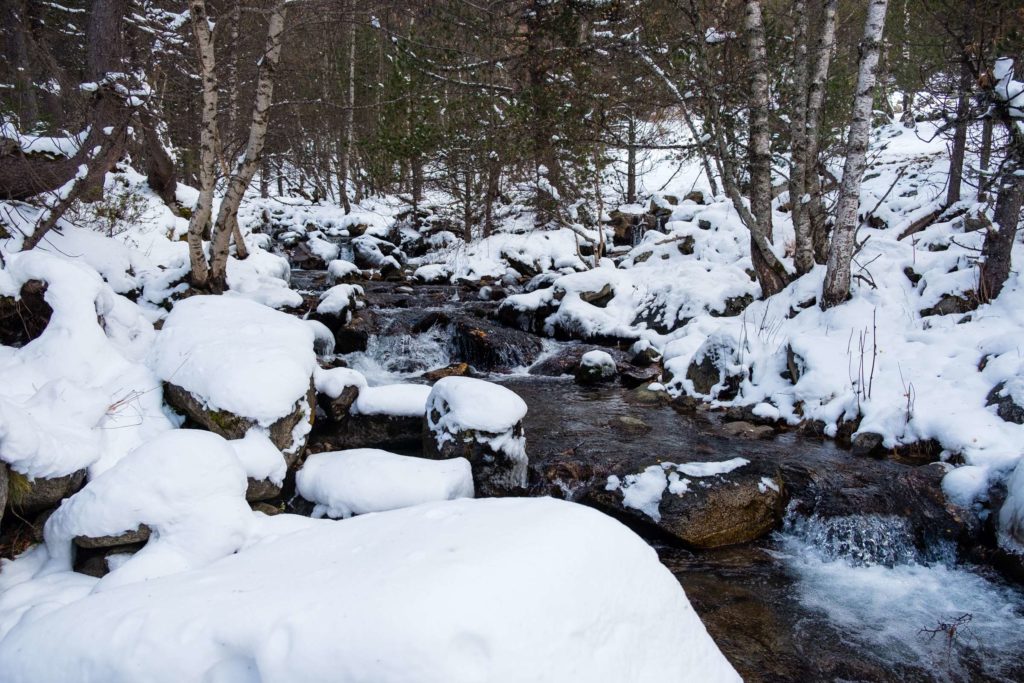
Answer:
x=476 y=340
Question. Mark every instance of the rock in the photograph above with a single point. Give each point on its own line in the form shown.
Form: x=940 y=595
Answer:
x=912 y=275
x=867 y=443
x=595 y=367
x=646 y=395
x=686 y=245
x=949 y=304
x=301 y=256
x=140 y=535
x=31 y=495
x=704 y=224
x=380 y=431
x=712 y=369
x=794 y=365
x=3 y=490
x=1006 y=407
x=371 y=253
x=232 y=426
x=734 y=305
x=695 y=196
x=266 y=508
x=453 y=370
x=492 y=348
x=600 y=298
x=259 y=490
x=631 y=424
x=98 y=562
x=355 y=336
x=482 y=422
x=24 y=318
x=708 y=511
x=632 y=377
x=747 y=430
x=644 y=354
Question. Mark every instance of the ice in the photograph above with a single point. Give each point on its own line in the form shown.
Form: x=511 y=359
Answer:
x=354 y=482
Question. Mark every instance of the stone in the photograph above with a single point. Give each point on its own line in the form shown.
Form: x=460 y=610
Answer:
x=632 y=377
x=232 y=426
x=492 y=348
x=695 y=196
x=453 y=370
x=1006 y=407
x=262 y=489
x=600 y=298
x=867 y=443
x=747 y=430
x=949 y=304
x=140 y=535
x=595 y=367
x=714 y=511
x=686 y=245
x=710 y=372
x=3 y=490
x=31 y=495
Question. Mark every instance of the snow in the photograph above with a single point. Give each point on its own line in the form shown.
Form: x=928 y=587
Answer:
x=339 y=269
x=259 y=457
x=334 y=381
x=466 y=403
x=236 y=355
x=599 y=359
x=354 y=482
x=340 y=300
x=710 y=469
x=452 y=591
x=396 y=400
x=1011 y=516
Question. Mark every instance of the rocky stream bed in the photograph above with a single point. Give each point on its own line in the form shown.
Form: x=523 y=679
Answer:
x=805 y=563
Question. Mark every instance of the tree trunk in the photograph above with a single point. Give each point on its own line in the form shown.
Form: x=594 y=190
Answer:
x=998 y=246
x=985 y=161
x=246 y=167
x=813 y=216
x=837 y=278
x=345 y=162
x=803 y=256
x=630 y=162
x=198 y=225
x=956 y=157
x=17 y=34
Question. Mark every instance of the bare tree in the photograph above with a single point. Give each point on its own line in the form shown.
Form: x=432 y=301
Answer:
x=837 y=277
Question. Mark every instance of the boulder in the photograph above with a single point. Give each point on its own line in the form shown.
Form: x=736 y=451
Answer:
x=713 y=371
x=632 y=377
x=596 y=367
x=32 y=495
x=24 y=318
x=748 y=430
x=138 y=535
x=867 y=443
x=482 y=422
x=232 y=426
x=696 y=506
x=453 y=370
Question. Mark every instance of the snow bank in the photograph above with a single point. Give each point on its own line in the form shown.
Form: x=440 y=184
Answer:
x=456 y=591
x=236 y=355
x=187 y=485
x=354 y=482
x=397 y=400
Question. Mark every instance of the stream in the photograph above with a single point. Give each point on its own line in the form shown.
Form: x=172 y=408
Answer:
x=852 y=596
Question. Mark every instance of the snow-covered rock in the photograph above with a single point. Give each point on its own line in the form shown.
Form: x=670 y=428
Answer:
x=595 y=367
x=481 y=422
x=342 y=271
x=354 y=482
x=232 y=364
x=1011 y=516
x=339 y=302
x=455 y=591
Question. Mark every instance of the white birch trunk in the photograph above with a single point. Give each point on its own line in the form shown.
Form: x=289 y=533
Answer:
x=837 y=278
x=207 y=144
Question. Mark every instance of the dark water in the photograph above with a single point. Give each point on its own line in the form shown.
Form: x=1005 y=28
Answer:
x=840 y=600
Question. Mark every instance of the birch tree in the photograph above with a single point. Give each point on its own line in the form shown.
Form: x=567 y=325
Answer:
x=836 y=288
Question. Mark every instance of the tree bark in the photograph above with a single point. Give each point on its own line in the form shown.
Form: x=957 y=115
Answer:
x=813 y=217
x=956 y=156
x=246 y=167
x=837 y=277
x=345 y=161
x=803 y=255
x=630 y=161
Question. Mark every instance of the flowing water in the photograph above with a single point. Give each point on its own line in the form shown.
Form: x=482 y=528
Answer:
x=847 y=598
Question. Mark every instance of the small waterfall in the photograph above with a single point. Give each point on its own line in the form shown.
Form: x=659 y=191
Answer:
x=861 y=540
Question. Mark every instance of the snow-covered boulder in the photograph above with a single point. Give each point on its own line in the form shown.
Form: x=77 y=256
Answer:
x=482 y=422
x=714 y=370
x=354 y=482
x=1011 y=515
x=459 y=590
x=340 y=271
x=595 y=367
x=231 y=364
x=372 y=253
x=433 y=273
x=703 y=504
x=338 y=304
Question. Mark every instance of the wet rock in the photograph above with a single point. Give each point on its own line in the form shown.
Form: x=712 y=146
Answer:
x=595 y=367
x=453 y=370
x=747 y=430
x=31 y=495
x=867 y=443
x=355 y=336
x=645 y=395
x=1006 y=407
x=708 y=512
x=24 y=318
x=301 y=256
x=380 y=431
x=632 y=377
x=647 y=355
x=140 y=535
x=632 y=424
x=482 y=422
x=232 y=426
x=490 y=347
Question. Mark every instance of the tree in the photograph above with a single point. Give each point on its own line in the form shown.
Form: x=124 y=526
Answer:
x=836 y=288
